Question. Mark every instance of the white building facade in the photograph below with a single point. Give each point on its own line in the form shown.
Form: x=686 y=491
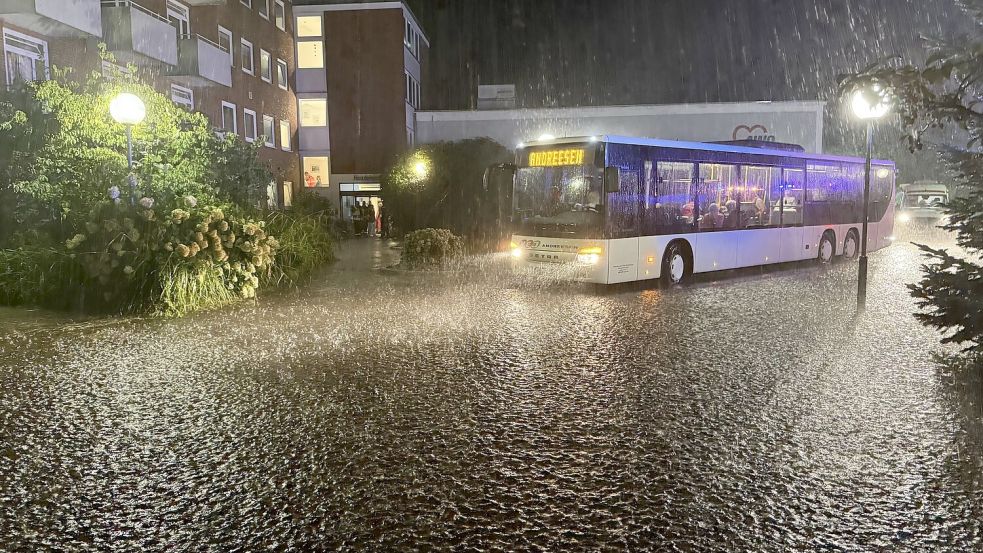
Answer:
x=789 y=122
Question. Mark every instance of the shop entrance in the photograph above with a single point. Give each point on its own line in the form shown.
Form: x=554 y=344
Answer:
x=353 y=211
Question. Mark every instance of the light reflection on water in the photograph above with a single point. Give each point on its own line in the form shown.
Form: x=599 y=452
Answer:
x=466 y=410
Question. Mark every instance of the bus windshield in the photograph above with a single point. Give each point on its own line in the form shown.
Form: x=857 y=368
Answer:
x=563 y=201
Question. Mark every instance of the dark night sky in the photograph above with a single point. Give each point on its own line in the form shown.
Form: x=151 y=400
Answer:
x=598 y=52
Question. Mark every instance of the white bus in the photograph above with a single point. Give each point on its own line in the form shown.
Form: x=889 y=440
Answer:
x=616 y=209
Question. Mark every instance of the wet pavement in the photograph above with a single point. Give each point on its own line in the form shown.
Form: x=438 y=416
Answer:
x=470 y=410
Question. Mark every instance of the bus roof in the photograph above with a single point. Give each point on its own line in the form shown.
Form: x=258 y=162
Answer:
x=708 y=146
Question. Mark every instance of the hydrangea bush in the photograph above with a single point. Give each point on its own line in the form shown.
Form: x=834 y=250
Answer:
x=431 y=247
x=129 y=252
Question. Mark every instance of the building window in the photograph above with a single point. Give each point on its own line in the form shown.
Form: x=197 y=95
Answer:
x=288 y=193
x=247 y=3
x=264 y=9
x=412 y=91
x=25 y=58
x=313 y=112
x=229 y=118
x=309 y=25
x=316 y=171
x=281 y=73
x=269 y=132
x=246 y=51
x=225 y=42
x=310 y=54
x=249 y=124
x=265 y=66
x=279 y=15
x=184 y=97
x=179 y=16
x=285 y=136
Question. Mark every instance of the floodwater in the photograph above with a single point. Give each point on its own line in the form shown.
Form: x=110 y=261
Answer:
x=385 y=411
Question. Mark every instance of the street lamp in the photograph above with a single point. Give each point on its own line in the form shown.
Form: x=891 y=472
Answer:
x=420 y=168
x=868 y=105
x=129 y=110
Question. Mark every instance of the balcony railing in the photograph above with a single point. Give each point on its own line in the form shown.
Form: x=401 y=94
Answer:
x=203 y=61
x=54 y=18
x=134 y=33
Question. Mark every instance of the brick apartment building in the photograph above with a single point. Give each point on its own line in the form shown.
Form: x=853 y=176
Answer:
x=331 y=89
x=359 y=74
x=231 y=60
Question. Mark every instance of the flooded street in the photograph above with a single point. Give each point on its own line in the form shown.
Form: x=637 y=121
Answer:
x=385 y=411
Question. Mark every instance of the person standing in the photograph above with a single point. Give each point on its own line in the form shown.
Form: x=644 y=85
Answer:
x=370 y=220
x=355 y=217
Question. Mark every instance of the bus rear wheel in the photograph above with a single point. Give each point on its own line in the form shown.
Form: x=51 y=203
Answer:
x=827 y=248
x=851 y=246
x=675 y=264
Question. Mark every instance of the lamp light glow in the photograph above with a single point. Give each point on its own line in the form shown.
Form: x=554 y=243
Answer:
x=546 y=136
x=870 y=104
x=420 y=168
x=127 y=109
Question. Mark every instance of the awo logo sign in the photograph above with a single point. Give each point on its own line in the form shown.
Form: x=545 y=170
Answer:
x=752 y=132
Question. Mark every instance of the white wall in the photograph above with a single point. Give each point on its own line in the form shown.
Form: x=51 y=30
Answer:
x=792 y=122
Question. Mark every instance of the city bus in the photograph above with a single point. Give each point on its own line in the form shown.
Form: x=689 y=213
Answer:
x=614 y=209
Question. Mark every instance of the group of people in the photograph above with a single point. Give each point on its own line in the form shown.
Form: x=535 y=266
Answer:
x=368 y=220
x=729 y=215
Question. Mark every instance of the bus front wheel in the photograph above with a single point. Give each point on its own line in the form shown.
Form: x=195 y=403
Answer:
x=675 y=264
x=827 y=248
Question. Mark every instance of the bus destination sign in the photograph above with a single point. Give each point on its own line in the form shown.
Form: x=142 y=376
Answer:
x=555 y=158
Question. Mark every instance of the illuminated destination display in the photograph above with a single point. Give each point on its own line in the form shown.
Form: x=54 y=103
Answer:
x=553 y=158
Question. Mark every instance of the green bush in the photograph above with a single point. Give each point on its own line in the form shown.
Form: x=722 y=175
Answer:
x=185 y=231
x=431 y=247
x=442 y=186
x=305 y=243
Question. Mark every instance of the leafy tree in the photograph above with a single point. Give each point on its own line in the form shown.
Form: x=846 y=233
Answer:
x=943 y=95
x=442 y=186
x=60 y=152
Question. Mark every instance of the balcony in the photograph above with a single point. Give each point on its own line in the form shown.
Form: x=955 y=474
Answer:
x=54 y=18
x=135 y=34
x=205 y=62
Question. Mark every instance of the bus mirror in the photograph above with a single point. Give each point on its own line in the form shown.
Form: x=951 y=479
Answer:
x=612 y=179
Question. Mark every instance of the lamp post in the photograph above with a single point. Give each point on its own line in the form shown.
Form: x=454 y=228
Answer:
x=128 y=109
x=868 y=105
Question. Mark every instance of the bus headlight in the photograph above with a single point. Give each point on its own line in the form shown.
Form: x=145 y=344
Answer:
x=515 y=249
x=904 y=218
x=590 y=255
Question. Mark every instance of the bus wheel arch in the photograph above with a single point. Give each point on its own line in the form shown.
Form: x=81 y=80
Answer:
x=827 y=246
x=851 y=244
x=677 y=262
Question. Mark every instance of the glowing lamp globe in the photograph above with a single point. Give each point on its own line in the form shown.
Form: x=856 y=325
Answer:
x=869 y=104
x=127 y=109
x=420 y=168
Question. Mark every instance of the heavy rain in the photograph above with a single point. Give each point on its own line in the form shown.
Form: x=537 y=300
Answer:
x=487 y=403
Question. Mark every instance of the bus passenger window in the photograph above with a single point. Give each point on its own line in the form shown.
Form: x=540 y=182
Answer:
x=672 y=212
x=789 y=210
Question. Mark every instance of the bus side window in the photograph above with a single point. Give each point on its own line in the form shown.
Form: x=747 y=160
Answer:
x=790 y=211
x=623 y=206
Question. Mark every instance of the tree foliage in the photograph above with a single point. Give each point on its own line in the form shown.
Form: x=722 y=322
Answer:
x=945 y=94
x=60 y=151
x=442 y=186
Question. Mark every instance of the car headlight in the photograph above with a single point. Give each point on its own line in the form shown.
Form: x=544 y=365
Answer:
x=590 y=255
x=515 y=249
x=904 y=218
